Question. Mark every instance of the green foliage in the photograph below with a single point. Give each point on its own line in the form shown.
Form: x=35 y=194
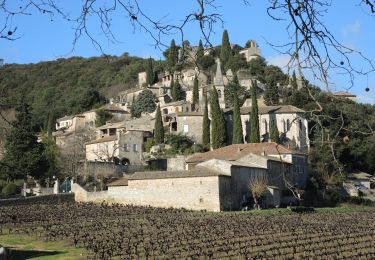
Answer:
x=195 y=92
x=257 y=67
x=67 y=86
x=159 y=129
x=218 y=134
x=254 y=118
x=293 y=81
x=273 y=77
x=236 y=62
x=132 y=110
x=9 y=189
x=172 y=55
x=226 y=51
x=150 y=75
x=180 y=144
x=274 y=131
x=200 y=52
x=177 y=92
x=53 y=156
x=206 y=124
x=24 y=155
x=150 y=142
x=207 y=62
x=102 y=117
x=144 y=103
x=235 y=89
x=237 y=124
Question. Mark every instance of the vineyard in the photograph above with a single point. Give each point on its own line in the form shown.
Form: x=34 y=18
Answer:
x=129 y=232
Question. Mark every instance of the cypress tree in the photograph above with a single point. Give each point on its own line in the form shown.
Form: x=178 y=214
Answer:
x=177 y=92
x=132 y=110
x=200 y=52
x=159 y=130
x=206 y=124
x=294 y=80
x=149 y=72
x=274 y=131
x=237 y=137
x=195 y=92
x=254 y=118
x=172 y=55
x=218 y=134
x=225 y=51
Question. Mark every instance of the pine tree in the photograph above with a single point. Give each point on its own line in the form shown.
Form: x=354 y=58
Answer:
x=24 y=155
x=172 y=55
x=254 y=118
x=195 y=92
x=218 y=134
x=159 y=130
x=149 y=73
x=237 y=137
x=206 y=124
x=274 y=131
x=225 y=51
x=293 y=81
x=200 y=52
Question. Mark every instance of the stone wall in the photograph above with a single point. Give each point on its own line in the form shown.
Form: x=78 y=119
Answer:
x=177 y=163
x=191 y=126
x=198 y=193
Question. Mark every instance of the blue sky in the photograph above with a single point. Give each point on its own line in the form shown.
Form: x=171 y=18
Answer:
x=43 y=39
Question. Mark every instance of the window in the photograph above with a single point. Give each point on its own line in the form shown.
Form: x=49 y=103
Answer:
x=287 y=125
x=126 y=148
x=186 y=128
x=135 y=148
x=284 y=126
x=300 y=124
x=219 y=93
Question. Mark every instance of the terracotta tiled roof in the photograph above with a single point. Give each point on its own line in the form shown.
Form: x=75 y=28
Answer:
x=196 y=172
x=236 y=151
x=103 y=140
x=119 y=182
x=112 y=125
x=273 y=109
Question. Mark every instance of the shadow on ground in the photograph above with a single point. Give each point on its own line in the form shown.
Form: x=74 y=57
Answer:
x=21 y=254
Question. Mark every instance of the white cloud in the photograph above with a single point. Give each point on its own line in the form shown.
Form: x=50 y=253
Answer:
x=352 y=29
x=279 y=60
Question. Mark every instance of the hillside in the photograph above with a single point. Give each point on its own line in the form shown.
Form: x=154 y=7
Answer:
x=67 y=86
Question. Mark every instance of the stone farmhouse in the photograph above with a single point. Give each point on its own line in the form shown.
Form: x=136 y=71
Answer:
x=215 y=181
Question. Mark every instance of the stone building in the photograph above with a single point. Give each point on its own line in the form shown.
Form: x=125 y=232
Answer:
x=252 y=52
x=344 y=94
x=70 y=123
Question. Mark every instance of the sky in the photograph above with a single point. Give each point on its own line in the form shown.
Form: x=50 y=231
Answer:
x=43 y=37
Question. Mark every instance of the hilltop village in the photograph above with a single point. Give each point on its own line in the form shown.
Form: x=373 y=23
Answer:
x=183 y=103
x=212 y=128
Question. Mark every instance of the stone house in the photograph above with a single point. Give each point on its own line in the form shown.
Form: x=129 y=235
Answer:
x=131 y=146
x=189 y=124
x=70 y=123
x=344 y=94
x=103 y=149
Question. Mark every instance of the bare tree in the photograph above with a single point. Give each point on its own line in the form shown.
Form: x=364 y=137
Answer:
x=258 y=187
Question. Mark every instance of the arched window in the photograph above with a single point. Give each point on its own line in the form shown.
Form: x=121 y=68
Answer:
x=287 y=125
x=219 y=93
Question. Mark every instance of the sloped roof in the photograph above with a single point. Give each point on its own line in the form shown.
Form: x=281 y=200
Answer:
x=344 y=94
x=236 y=151
x=273 y=109
x=68 y=117
x=177 y=103
x=196 y=172
x=189 y=113
x=103 y=139
x=112 y=125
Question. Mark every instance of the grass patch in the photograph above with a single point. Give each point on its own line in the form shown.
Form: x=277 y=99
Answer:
x=33 y=247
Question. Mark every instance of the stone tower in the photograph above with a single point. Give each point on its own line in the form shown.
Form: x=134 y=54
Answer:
x=219 y=84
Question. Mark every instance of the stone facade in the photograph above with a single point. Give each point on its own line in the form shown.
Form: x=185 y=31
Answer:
x=191 y=125
x=131 y=146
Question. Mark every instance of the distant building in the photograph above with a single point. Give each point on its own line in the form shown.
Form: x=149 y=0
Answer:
x=251 y=52
x=344 y=94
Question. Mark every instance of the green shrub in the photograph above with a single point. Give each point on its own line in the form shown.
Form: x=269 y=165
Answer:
x=9 y=189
